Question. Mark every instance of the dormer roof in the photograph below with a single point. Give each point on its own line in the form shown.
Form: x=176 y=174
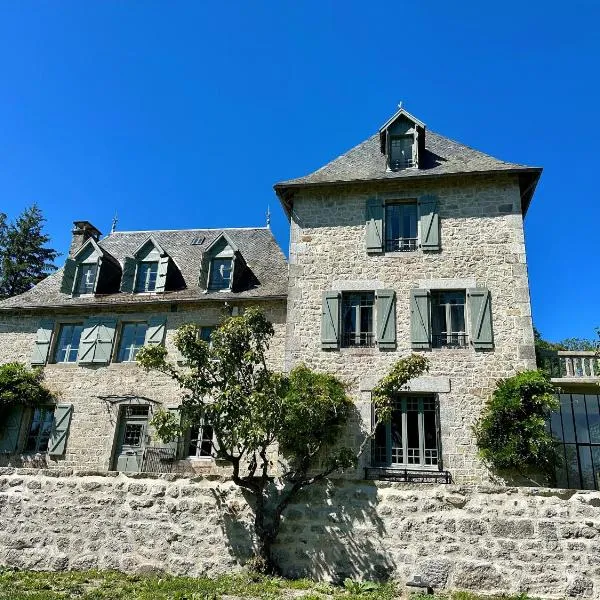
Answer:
x=150 y=240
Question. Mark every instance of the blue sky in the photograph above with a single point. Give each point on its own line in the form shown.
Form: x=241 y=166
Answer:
x=184 y=114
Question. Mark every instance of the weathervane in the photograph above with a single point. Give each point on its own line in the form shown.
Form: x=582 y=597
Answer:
x=114 y=223
x=268 y=217
x=400 y=105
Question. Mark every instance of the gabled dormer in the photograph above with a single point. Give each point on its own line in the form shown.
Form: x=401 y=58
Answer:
x=402 y=140
x=91 y=270
x=149 y=270
x=224 y=267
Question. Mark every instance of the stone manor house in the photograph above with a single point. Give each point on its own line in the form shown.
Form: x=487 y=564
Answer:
x=409 y=242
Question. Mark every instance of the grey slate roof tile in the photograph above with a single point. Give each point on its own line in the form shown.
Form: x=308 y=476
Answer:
x=365 y=162
x=257 y=246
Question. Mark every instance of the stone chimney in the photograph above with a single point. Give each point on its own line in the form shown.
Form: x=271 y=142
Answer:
x=82 y=232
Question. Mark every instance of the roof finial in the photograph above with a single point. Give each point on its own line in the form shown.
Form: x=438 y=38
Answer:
x=114 y=223
x=400 y=105
x=268 y=217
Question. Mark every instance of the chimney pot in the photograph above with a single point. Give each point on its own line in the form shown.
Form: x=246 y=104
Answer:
x=82 y=232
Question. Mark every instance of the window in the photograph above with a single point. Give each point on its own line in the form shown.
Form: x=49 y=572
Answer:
x=67 y=345
x=40 y=429
x=410 y=438
x=206 y=332
x=357 y=319
x=448 y=319
x=133 y=337
x=87 y=278
x=200 y=443
x=401 y=151
x=577 y=426
x=220 y=273
x=401 y=227
x=146 y=277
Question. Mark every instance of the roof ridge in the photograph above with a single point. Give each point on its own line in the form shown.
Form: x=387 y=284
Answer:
x=185 y=229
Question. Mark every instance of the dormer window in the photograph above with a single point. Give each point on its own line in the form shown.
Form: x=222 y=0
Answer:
x=220 y=274
x=401 y=151
x=86 y=278
x=146 y=277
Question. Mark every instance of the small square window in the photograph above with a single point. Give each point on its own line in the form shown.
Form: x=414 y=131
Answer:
x=40 y=429
x=401 y=227
x=401 y=151
x=357 y=319
x=86 y=278
x=146 y=277
x=133 y=337
x=205 y=333
x=448 y=319
x=67 y=346
x=220 y=273
x=200 y=441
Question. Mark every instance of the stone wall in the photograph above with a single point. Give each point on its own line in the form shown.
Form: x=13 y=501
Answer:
x=98 y=391
x=539 y=541
x=482 y=244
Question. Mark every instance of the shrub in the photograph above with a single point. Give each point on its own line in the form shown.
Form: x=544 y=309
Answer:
x=22 y=385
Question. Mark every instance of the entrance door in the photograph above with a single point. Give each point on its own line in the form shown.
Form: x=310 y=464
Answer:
x=133 y=425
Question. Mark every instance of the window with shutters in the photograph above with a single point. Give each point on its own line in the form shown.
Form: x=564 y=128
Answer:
x=448 y=319
x=401 y=231
x=147 y=273
x=205 y=333
x=220 y=274
x=40 y=429
x=200 y=441
x=86 y=278
x=410 y=438
x=401 y=152
x=357 y=319
x=133 y=337
x=67 y=345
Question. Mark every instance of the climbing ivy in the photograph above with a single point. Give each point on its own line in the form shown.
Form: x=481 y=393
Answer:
x=22 y=385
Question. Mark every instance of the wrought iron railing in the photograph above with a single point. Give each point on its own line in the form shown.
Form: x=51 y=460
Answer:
x=157 y=459
x=570 y=364
x=408 y=475
x=401 y=163
x=401 y=245
x=358 y=339
x=450 y=340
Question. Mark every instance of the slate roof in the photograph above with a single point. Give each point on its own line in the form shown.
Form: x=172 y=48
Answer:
x=443 y=157
x=257 y=246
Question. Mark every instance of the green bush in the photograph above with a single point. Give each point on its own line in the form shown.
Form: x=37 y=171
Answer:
x=21 y=385
x=512 y=433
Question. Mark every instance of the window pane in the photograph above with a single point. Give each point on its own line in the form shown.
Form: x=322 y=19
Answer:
x=401 y=151
x=591 y=403
x=587 y=471
x=40 y=430
x=430 y=432
x=133 y=434
x=205 y=333
x=357 y=319
x=206 y=443
x=87 y=278
x=412 y=431
x=146 y=277
x=396 y=437
x=380 y=444
x=596 y=461
x=220 y=273
x=567 y=418
x=133 y=336
x=581 y=427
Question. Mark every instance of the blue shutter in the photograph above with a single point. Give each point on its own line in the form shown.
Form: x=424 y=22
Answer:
x=430 y=223
x=386 y=319
x=10 y=428
x=420 y=323
x=95 y=346
x=42 y=342
x=161 y=276
x=480 y=309
x=128 y=277
x=374 y=225
x=60 y=429
x=155 y=334
x=330 y=320
x=68 y=277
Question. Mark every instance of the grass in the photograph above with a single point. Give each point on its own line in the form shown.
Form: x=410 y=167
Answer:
x=111 y=585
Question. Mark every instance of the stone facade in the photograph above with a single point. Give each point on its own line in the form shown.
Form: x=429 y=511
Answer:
x=482 y=245
x=98 y=391
x=515 y=540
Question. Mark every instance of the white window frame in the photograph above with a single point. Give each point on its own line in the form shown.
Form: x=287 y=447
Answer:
x=358 y=333
x=69 y=347
x=211 y=286
x=137 y=277
x=79 y=277
x=449 y=334
x=46 y=407
x=188 y=440
x=132 y=349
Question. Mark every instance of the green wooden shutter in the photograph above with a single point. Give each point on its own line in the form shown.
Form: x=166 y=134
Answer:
x=386 y=319
x=374 y=225
x=128 y=277
x=42 y=342
x=104 y=343
x=60 y=429
x=480 y=309
x=10 y=428
x=161 y=277
x=87 y=343
x=330 y=321
x=176 y=444
x=420 y=322
x=155 y=334
x=430 y=222
x=68 y=277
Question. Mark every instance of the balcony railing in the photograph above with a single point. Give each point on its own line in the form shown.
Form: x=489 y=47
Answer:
x=358 y=339
x=570 y=365
x=401 y=245
x=450 y=340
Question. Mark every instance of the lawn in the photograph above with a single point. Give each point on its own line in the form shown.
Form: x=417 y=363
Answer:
x=96 y=585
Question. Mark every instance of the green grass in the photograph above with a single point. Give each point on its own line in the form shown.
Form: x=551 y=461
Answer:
x=110 y=585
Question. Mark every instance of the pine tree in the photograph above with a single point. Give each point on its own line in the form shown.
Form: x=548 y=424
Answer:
x=24 y=259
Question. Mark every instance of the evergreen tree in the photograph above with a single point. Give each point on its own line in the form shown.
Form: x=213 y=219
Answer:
x=24 y=258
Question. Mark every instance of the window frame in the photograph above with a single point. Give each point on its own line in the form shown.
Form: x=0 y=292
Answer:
x=138 y=265
x=117 y=352
x=435 y=463
x=51 y=408
x=411 y=163
x=200 y=427
x=413 y=243
x=79 y=277
x=453 y=339
x=211 y=286
x=56 y=333
x=370 y=338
